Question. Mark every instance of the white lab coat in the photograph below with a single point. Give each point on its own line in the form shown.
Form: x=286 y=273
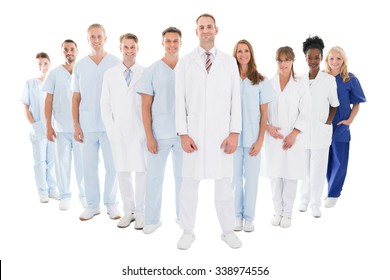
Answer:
x=208 y=108
x=288 y=111
x=121 y=114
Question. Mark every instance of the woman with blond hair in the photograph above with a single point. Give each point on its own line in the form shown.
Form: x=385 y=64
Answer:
x=349 y=92
x=256 y=92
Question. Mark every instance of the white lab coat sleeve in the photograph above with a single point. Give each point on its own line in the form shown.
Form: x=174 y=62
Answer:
x=180 y=99
x=333 y=99
x=236 y=116
x=105 y=105
x=302 y=121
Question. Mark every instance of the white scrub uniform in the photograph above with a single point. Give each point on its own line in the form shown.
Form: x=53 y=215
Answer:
x=323 y=93
x=43 y=150
x=284 y=167
x=58 y=84
x=247 y=167
x=158 y=81
x=87 y=79
x=208 y=109
x=121 y=114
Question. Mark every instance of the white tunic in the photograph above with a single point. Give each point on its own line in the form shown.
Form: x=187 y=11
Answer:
x=121 y=114
x=288 y=111
x=208 y=108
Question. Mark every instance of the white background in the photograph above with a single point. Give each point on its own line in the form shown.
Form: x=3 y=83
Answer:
x=37 y=241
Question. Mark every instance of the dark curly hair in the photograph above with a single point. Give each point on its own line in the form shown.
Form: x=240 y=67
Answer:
x=314 y=42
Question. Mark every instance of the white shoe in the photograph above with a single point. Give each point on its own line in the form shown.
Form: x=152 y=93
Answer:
x=285 y=222
x=147 y=229
x=238 y=226
x=276 y=220
x=232 y=240
x=64 y=203
x=44 y=198
x=185 y=241
x=316 y=212
x=113 y=212
x=83 y=202
x=139 y=222
x=249 y=226
x=330 y=202
x=89 y=213
x=126 y=220
x=54 y=195
x=302 y=207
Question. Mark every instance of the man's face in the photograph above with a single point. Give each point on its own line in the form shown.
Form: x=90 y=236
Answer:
x=96 y=38
x=129 y=49
x=206 y=30
x=172 y=42
x=69 y=50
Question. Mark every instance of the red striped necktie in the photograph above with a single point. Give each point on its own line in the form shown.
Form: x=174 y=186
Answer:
x=208 y=61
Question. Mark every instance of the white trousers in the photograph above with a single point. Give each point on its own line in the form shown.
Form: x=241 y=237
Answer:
x=283 y=195
x=313 y=186
x=223 y=200
x=131 y=205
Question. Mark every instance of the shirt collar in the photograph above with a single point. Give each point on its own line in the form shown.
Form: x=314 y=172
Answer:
x=213 y=51
x=123 y=67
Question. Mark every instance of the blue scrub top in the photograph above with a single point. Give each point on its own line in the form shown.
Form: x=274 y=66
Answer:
x=87 y=79
x=158 y=80
x=58 y=83
x=348 y=93
x=252 y=96
x=34 y=97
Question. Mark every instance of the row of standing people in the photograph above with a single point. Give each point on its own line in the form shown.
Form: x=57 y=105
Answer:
x=222 y=116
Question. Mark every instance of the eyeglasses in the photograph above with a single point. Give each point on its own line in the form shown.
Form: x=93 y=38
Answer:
x=283 y=61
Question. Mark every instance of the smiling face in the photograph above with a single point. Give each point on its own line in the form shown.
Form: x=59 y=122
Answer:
x=313 y=59
x=172 y=43
x=69 y=51
x=96 y=38
x=43 y=66
x=243 y=54
x=206 y=31
x=335 y=62
x=284 y=65
x=129 y=50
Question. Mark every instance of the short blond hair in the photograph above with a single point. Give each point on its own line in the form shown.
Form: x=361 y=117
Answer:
x=96 y=25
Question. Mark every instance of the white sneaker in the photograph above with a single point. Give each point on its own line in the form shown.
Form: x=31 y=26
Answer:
x=126 y=220
x=232 y=240
x=302 y=207
x=113 y=212
x=139 y=222
x=238 y=226
x=44 y=198
x=249 y=226
x=316 y=212
x=330 y=202
x=285 y=222
x=89 y=213
x=276 y=220
x=185 y=241
x=64 y=203
x=147 y=229
x=54 y=195
x=83 y=202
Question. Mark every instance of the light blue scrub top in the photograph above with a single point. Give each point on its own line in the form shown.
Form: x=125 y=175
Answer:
x=252 y=96
x=87 y=79
x=158 y=80
x=57 y=83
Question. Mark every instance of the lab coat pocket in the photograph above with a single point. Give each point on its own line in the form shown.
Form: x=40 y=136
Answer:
x=322 y=136
x=38 y=131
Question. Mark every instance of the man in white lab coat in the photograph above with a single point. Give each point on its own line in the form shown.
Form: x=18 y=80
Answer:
x=208 y=120
x=121 y=114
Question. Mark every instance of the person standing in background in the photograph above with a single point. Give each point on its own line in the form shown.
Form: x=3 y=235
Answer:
x=285 y=142
x=58 y=103
x=87 y=79
x=349 y=91
x=208 y=120
x=121 y=114
x=157 y=88
x=256 y=92
x=323 y=106
x=33 y=99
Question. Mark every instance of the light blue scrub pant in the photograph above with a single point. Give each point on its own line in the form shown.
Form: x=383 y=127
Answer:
x=64 y=145
x=90 y=150
x=245 y=183
x=155 y=177
x=43 y=154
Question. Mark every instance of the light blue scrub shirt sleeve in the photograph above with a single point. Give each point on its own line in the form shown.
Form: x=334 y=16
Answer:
x=75 y=80
x=48 y=85
x=26 y=94
x=145 y=85
x=267 y=93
